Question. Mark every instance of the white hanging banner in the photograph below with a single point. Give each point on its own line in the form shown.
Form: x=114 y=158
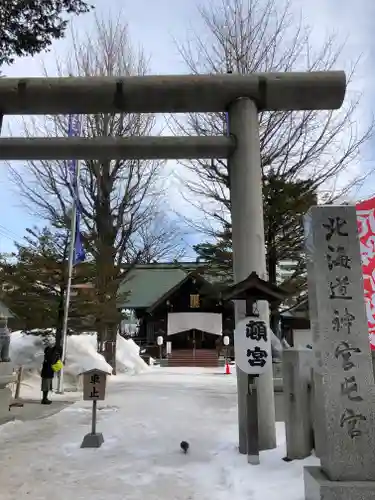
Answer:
x=206 y=322
x=252 y=345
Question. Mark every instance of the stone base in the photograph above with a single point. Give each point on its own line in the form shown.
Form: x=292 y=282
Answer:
x=319 y=487
x=92 y=440
x=253 y=459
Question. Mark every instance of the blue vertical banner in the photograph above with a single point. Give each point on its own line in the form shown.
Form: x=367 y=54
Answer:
x=74 y=127
x=79 y=251
x=229 y=72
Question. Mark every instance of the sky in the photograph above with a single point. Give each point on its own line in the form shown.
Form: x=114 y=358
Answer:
x=155 y=26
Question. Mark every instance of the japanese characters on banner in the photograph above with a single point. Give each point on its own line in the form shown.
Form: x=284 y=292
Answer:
x=252 y=345
x=366 y=232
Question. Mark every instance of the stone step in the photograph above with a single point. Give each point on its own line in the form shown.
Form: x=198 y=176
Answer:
x=200 y=365
x=188 y=354
x=186 y=357
x=212 y=360
x=194 y=357
x=203 y=360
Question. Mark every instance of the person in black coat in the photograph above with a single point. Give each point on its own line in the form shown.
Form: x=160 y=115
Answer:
x=51 y=356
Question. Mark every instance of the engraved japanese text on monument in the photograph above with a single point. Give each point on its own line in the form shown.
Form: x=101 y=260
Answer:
x=344 y=379
x=342 y=321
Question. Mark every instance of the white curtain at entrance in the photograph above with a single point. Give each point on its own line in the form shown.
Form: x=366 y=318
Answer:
x=206 y=322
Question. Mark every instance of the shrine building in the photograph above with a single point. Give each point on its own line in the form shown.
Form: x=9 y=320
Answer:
x=179 y=302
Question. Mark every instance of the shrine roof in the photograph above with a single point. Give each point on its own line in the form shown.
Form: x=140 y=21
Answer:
x=186 y=266
x=144 y=286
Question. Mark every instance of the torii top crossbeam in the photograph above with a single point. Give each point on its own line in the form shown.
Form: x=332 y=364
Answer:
x=173 y=94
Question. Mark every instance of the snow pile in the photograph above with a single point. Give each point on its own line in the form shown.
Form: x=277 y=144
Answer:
x=26 y=350
x=128 y=358
x=81 y=355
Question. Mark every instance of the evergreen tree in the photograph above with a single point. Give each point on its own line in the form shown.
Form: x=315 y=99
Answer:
x=36 y=276
x=28 y=27
x=285 y=203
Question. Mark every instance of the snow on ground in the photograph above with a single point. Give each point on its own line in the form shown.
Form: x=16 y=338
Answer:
x=143 y=420
x=27 y=351
x=30 y=389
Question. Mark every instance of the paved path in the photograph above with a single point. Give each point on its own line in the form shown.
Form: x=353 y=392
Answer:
x=143 y=421
x=33 y=410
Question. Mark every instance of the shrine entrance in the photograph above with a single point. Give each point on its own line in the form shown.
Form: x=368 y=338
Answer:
x=194 y=330
x=193 y=339
x=239 y=98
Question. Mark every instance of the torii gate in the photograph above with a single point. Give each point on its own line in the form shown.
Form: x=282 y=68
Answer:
x=241 y=96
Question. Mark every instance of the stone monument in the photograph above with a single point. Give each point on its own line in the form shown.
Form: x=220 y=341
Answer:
x=343 y=374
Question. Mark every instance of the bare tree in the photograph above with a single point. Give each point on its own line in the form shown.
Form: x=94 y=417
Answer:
x=158 y=239
x=306 y=154
x=120 y=199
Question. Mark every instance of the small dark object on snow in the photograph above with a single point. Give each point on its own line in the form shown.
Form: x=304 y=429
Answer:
x=184 y=446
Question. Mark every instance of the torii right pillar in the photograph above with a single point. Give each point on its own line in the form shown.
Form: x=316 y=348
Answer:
x=249 y=253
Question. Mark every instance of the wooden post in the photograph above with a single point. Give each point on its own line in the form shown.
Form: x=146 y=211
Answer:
x=93 y=422
x=18 y=383
x=252 y=421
